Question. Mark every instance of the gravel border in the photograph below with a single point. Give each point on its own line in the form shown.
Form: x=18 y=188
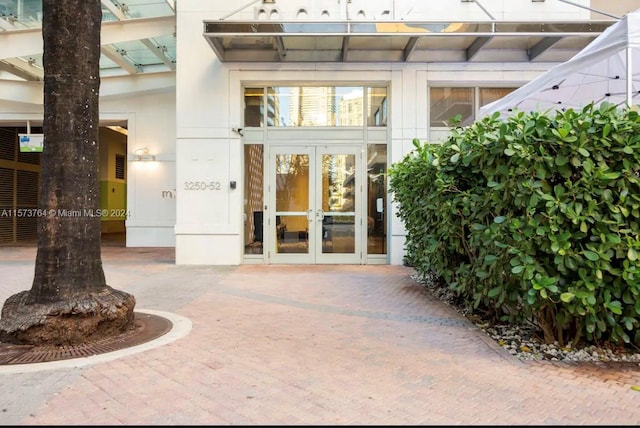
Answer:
x=522 y=341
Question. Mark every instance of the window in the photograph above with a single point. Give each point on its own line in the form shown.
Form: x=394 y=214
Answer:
x=315 y=106
x=489 y=95
x=253 y=198
x=376 y=198
x=446 y=103
x=253 y=106
x=377 y=103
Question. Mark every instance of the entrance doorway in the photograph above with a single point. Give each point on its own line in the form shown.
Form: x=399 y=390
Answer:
x=314 y=209
x=20 y=184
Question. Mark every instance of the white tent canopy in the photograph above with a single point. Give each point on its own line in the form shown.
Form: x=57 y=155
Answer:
x=602 y=71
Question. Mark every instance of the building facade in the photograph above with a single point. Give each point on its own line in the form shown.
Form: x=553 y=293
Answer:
x=267 y=137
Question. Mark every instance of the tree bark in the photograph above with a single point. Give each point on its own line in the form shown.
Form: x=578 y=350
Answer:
x=69 y=301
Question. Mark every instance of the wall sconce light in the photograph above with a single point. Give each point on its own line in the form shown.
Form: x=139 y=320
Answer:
x=142 y=154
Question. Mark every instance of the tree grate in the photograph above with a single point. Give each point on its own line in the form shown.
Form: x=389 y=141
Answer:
x=146 y=328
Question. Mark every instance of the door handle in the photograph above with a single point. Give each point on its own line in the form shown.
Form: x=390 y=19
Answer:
x=320 y=214
x=309 y=215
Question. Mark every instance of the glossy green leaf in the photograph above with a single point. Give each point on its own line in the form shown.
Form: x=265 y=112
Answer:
x=561 y=160
x=494 y=292
x=591 y=255
x=615 y=307
x=584 y=152
x=567 y=297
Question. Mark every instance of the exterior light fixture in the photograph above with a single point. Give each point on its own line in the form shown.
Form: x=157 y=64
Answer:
x=142 y=154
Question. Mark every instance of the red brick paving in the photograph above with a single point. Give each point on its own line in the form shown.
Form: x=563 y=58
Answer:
x=306 y=345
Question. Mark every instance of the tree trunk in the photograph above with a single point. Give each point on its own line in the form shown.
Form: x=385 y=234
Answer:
x=69 y=301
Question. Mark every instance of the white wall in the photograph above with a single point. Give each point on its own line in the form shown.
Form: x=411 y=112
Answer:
x=208 y=226
x=208 y=223
x=187 y=125
x=151 y=188
x=150 y=115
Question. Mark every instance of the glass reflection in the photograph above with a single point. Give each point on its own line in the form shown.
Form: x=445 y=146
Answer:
x=377 y=107
x=316 y=106
x=447 y=103
x=489 y=95
x=338 y=196
x=338 y=234
x=253 y=106
x=253 y=199
x=338 y=182
x=376 y=198
x=292 y=203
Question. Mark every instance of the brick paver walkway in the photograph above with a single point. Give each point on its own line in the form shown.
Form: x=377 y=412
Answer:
x=304 y=345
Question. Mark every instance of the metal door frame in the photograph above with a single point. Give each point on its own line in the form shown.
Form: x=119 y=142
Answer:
x=315 y=254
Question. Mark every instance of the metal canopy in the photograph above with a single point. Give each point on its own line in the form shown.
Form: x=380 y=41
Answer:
x=400 y=42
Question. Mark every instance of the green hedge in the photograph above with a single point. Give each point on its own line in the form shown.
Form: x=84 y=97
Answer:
x=534 y=218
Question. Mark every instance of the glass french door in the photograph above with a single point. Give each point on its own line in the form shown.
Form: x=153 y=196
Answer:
x=314 y=209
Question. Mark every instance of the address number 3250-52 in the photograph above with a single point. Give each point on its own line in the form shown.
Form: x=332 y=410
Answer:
x=202 y=185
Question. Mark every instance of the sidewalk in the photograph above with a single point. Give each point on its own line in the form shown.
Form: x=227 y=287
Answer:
x=304 y=345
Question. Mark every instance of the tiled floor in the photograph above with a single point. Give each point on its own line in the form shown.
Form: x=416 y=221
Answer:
x=310 y=345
